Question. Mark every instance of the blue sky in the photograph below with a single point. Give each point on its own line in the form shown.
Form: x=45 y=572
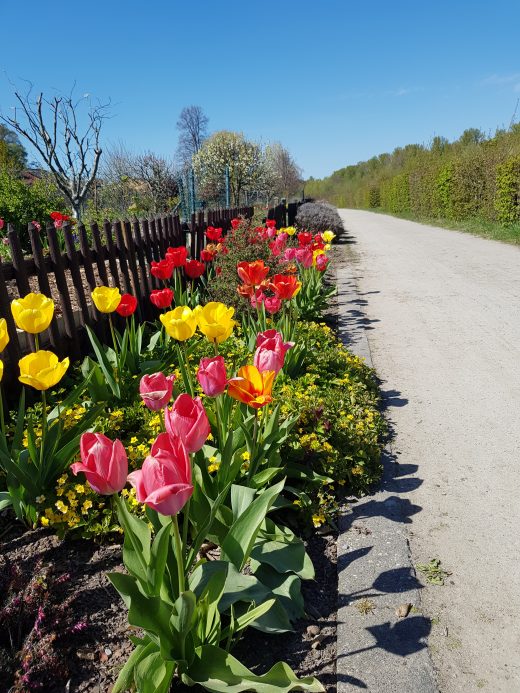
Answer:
x=335 y=81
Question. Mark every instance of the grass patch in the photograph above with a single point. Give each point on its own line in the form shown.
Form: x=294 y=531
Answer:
x=477 y=227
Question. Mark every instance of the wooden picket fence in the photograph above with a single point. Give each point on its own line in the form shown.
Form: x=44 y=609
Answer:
x=118 y=254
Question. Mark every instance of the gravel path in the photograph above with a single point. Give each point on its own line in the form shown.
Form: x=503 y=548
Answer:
x=442 y=311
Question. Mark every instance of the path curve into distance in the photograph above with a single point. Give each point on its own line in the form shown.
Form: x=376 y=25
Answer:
x=442 y=310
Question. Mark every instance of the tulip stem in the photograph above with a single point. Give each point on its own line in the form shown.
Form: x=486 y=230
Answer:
x=179 y=552
x=44 y=415
x=36 y=342
x=185 y=526
x=114 y=342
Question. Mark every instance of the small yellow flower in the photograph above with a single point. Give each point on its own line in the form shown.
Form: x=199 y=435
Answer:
x=318 y=519
x=61 y=506
x=246 y=456
x=40 y=499
x=44 y=521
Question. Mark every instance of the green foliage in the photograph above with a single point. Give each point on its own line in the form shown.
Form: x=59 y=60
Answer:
x=507 y=197
x=21 y=203
x=474 y=177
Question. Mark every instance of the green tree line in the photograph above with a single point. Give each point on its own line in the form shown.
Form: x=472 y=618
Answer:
x=473 y=177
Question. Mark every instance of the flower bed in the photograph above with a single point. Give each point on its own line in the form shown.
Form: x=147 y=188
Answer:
x=272 y=422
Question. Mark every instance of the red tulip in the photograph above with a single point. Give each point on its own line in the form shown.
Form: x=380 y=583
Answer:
x=212 y=376
x=161 y=298
x=252 y=273
x=194 y=269
x=213 y=234
x=156 y=390
x=127 y=305
x=271 y=350
x=304 y=238
x=188 y=420
x=271 y=223
x=164 y=481
x=272 y=304
x=177 y=255
x=285 y=286
x=235 y=223
x=103 y=462
x=162 y=269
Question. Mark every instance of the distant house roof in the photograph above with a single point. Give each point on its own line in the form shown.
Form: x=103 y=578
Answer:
x=29 y=175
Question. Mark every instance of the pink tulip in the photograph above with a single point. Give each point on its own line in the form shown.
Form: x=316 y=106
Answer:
x=164 y=481
x=271 y=350
x=2 y=222
x=321 y=263
x=212 y=376
x=272 y=304
x=103 y=462
x=187 y=419
x=290 y=254
x=304 y=256
x=156 y=390
x=257 y=298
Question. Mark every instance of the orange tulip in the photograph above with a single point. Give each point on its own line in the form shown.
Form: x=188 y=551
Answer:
x=252 y=387
x=252 y=273
x=285 y=286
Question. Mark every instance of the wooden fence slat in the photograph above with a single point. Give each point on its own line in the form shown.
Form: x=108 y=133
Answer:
x=160 y=236
x=86 y=257
x=138 y=244
x=123 y=264
x=13 y=348
x=63 y=290
x=132 y=263
x=75 y=272
x=100 y=253
x=22 y=279
x=155 y=240
x=107 y=228
x=148 y=250
x=43 y=280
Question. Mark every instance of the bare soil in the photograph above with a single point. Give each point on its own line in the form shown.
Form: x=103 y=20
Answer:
x=94 y=656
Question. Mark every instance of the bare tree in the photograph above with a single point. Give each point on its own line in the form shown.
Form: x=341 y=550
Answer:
x=145 y=181
x=53 y=127
x=158 y=175
x=286 y=175
x=193 y=128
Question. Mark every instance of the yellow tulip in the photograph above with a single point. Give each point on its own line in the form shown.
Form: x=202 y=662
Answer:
x=42 y=369
x=180 y=323
x=1 y=371
x=106 y=298
x=290 y=230
x=4 y=334
x=215 y=321
x=328 y=236
x=33 y=313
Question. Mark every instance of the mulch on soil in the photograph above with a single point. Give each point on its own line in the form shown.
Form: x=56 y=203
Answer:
x=95 y=655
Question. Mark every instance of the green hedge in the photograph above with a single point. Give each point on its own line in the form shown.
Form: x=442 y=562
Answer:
x=473 y=177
